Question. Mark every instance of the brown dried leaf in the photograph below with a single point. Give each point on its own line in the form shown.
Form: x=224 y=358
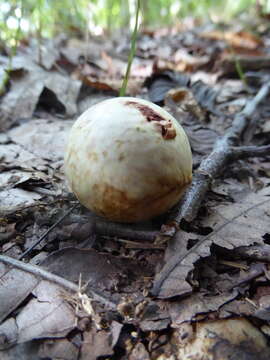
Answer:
x=47 y=315
x=154 y=317
x=239 y=39
x=24 y=351
x=42 y=138
x=96 y=344
x=58 y=349
x=98 y=270
x=243 y=223
x=201 y=304
x=13 y=199
x=224 y=340
x=238 y=224
x=30 y=85
x=139 y=352
x=15 y=286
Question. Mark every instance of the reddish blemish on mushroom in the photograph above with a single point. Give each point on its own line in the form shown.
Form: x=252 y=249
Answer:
x=165 y=125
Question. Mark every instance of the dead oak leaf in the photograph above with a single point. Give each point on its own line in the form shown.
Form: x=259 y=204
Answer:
x=46 y=315
x=237 y=224
x=244 y=223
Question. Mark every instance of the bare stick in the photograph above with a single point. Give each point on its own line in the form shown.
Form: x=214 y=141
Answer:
x=210 y=168
x=39 y=272
x=218 y=158
x=112 y=229
x=47 y=232
x=106 y=228
x=242 y=152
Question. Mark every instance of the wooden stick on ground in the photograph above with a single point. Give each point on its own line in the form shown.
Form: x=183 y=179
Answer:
x=220 y=156
x=211 y=167
x=46 y=275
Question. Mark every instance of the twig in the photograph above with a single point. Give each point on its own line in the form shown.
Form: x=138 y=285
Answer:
x=233 y=264
x=176 y=259
x=112 y=229
x=39 y=272
x=106 y=228
x=218 y=158
x=242 y=152
x=209 y=169
x=260 y=270
x=47 y=232
x=248 y=63
x=141 y=246
x=259 y=253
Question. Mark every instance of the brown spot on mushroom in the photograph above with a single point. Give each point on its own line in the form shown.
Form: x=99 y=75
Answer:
x=111 y=202
x=121 y=157
x=119 y=143
x=165 y=125
x=116 y=205
x=149 y=113
x=92 y=156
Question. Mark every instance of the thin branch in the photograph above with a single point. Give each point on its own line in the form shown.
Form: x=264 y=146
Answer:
x=98 y=226
x=112 y=229
x=214 y=164
x=242 y=152
x=175 y=260
x=210 y=168
x=41 y=273
x=260 y=270
x=106 y=228
x=139 y=245
x=47 y=232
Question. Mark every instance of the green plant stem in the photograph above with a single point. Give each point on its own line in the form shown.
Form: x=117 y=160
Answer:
x=39 y=31
x=239 y=70
x=238 y=66
x=132 y=51
x=12 y=53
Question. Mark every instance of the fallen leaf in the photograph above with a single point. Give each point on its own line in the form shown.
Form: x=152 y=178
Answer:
x=47 y=315
x=15 y=286
x=201 y=138
x=46 y=53
x=24 y=351
x=43 y=138
x=243 y=223
x=199 y=304
x=14 y=178
x=28 y=83
x=14 y=199
x=234 y=225
x=241 y=39
x=97 y=270
x=224 y=340
x=96 y=344
x=247 y=62
x=159 y=84
x=139 y=352
x=58 y=349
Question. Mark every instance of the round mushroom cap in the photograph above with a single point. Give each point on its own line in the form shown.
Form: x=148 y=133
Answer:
x=128 y=159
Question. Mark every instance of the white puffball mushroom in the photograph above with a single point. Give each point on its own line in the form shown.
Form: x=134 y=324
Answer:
x=128 y=159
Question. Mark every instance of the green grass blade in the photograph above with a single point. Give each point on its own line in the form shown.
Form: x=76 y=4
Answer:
x=132 y=51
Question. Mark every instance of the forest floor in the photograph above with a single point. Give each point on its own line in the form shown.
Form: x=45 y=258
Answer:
x=192 y=284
